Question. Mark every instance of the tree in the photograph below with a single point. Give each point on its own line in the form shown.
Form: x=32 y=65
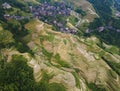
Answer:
x=14 y=25
x=6 y=37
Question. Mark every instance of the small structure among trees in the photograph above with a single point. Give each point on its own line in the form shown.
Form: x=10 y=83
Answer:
x=6 y=6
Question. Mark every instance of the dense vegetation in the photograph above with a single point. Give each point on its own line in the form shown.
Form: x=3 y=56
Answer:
x=115 y=66
x=6 y=38
x=16 y=3
x=18 y=76
x=94 y=87
x=15 y=28
x=105 y=12
x=108 y=36
x=103 y=8
x=117 y=4
x=80 y=11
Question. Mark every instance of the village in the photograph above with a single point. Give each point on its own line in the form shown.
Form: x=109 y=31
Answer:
x=102 y=28
x=50 y=13
x=47 y=9
x=46 y=12
x=7 y=6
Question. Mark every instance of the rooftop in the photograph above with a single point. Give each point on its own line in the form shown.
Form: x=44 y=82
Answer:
x=6 y=5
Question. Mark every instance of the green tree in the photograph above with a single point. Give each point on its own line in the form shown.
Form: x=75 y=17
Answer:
x=6 y=37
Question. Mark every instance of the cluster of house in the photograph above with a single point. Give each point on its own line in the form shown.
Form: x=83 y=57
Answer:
x=102 y=28
x=117 y=14
x=64 y=29
x=47 y=9
x=52 y=10
x=8 y=16
x=16 y=17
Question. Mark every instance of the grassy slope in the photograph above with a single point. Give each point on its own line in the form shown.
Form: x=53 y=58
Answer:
x=85 y=5
x=64 y=57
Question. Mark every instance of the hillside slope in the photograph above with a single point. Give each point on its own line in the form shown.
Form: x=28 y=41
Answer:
x=71 y=61
x=85 y=6
x=35 y=56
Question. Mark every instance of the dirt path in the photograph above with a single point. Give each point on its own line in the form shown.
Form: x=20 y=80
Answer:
x=39 y=27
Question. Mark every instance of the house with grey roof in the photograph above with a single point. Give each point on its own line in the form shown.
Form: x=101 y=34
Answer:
x=6 y=5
